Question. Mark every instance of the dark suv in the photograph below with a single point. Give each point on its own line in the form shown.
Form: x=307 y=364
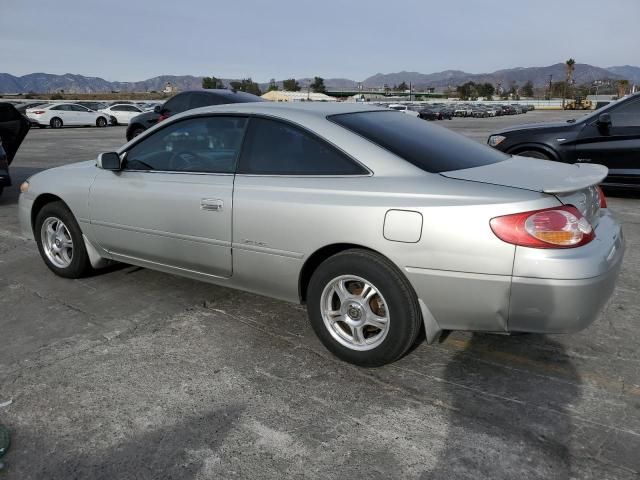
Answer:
x=186 y=101
x=609 y=136
x=13 y=128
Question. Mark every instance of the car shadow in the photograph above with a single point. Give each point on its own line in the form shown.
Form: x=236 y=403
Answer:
x=509 y=415
x=177 y=451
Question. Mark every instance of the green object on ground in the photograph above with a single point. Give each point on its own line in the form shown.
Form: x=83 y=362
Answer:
x=5 y=440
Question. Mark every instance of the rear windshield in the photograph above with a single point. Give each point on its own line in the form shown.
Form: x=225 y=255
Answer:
x=431 y=148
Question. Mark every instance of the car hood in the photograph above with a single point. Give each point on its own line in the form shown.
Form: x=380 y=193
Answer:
x=536 y=126
x=534 y=174
x=13 y=128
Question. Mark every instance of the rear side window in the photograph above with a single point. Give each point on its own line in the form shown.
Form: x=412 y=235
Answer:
x=177 y=104
x=431 y=148
x=272 y=147
x=626 y=115
x=203 y=100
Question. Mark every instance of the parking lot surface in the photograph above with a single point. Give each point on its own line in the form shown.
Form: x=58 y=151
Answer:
x=133 y=373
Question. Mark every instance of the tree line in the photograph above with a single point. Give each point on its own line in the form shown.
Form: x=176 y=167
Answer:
x=249 y=86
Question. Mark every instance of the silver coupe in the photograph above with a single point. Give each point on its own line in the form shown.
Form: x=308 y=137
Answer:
x=384 y=225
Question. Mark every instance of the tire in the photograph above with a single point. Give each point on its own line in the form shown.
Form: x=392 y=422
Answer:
x=136 y=131
x=101 y=122
x=56 y=122
x=534 y=154
x=68 y=262
x=375 y=289
x=114 y=121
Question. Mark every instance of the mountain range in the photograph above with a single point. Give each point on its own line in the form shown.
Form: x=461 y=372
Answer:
x=74 y=83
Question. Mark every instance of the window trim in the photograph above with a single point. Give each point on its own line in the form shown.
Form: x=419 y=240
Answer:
x=123 y=154
x=367 y=171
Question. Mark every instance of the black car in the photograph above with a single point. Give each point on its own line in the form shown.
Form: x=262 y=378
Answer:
x=428 y=114
x=609 y=136
x=186 y=101
x=13 y=128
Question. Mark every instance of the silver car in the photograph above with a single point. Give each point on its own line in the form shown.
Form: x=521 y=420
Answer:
x=384 y=225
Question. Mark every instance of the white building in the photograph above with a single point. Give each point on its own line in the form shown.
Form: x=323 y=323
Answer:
x=286 y=96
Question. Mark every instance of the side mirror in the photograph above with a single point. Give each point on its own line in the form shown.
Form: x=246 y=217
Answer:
x=157 y=109
x=604 y=120
x=109 y=161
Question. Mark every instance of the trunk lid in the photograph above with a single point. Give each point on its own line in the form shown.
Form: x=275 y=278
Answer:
x=572 y=184
x=13 y=128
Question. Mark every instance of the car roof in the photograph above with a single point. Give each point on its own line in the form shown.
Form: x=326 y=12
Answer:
x=315 y=109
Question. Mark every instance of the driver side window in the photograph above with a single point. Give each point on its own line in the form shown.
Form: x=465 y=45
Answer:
x=202 y=145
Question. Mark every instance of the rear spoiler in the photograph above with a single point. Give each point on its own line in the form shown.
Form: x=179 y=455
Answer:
x=585 y=176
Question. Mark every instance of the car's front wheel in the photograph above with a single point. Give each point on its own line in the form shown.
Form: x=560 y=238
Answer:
x=56 y=122
x=101 y=122
x=534 y=154
x=363 y=308
x=60 y=241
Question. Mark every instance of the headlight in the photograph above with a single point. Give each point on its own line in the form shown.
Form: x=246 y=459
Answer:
x=24 y=187
x=495 y=140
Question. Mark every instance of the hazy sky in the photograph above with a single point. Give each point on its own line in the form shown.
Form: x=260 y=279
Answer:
x=134 y=40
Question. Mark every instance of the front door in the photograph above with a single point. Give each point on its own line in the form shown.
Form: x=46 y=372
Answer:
x=616 y=146
x=171 y=204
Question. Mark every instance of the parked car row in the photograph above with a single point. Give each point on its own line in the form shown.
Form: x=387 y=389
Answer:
x=442 y=111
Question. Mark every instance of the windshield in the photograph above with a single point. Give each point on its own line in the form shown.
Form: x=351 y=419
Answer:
x=431 y=148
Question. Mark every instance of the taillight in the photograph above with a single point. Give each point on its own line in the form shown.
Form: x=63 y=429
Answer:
x=561 y=227
x=39 y=112
x=162 y=117
x=603 y=199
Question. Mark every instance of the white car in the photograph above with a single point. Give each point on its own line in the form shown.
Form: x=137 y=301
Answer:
x=58 y=115
x=404 y=109
x=122 y=113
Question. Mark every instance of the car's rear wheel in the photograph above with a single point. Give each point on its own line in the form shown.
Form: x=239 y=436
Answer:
x=534 y=154
x=136 y=131
x=363 y=309
x=55 y=122
x=101 y=122
x=60 y=241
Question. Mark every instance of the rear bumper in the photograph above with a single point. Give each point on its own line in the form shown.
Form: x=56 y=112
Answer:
x=550 y=291
x=564 y=290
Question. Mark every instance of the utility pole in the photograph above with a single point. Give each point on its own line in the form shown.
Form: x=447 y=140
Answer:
x=409 y=91
x=550 y=79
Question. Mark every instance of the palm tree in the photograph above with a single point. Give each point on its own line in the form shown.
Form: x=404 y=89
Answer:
x=623 y=86
x=569 y=67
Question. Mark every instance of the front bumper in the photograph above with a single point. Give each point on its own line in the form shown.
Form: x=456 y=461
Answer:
x=25 y=203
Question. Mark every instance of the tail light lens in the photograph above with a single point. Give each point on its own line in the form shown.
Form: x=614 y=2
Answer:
x=603 y=199
x=39 y=112
x=561 y=227
x=162 y=117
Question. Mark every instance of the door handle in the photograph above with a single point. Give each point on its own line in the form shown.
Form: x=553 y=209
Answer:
x=211 y=204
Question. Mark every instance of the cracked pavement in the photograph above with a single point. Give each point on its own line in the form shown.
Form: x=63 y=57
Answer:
x=139 y=374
